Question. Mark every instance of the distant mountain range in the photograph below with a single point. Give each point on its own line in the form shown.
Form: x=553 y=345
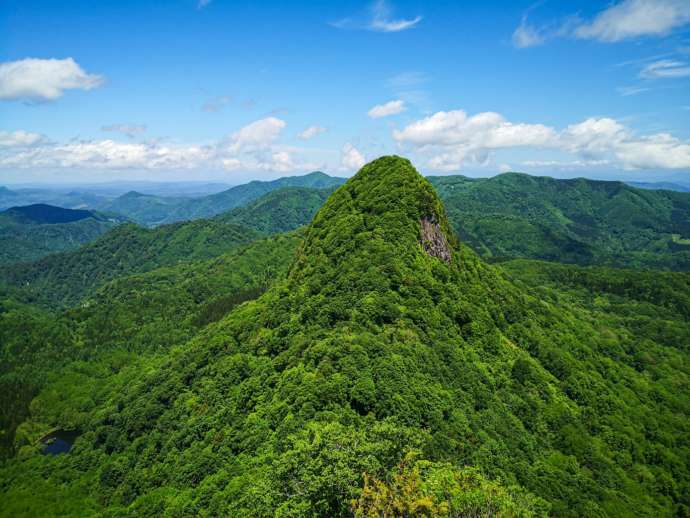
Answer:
x=30 y=232
x=511 y=215
x=214 y=204
x=669 y=186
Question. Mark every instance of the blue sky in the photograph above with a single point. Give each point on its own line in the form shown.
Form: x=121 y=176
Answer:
x=228 y=90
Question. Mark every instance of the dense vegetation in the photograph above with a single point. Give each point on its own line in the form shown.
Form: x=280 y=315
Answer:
x=281 y=210
x=63 y=279
x=136 y=314
x=218 y=203
x=30 y=232
x=577 y=221
x=380 y=372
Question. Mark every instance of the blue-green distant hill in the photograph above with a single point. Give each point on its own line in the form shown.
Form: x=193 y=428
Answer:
x=33 y=231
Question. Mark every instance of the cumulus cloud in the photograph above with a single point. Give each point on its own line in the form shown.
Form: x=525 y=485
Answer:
x=378 y=19
x=311 y=132
x=19 y=138
x=251 y=148
x=34 y=80
x=130 y=130
x=350 y=158
x=452 y=139
x=456 y=137
x=389 y=108
x=257 y=135
x=665 y=68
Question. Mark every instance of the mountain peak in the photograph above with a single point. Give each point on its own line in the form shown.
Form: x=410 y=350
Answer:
x=386 y=220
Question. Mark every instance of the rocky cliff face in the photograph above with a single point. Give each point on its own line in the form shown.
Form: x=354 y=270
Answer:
x=434 y=240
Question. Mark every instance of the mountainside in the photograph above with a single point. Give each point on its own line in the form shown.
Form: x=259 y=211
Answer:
x=63 y=279
x=213 y=204
x=581 y=221
x=145 y=209
x=30 y=232
x=389 y=372
x=281 y=210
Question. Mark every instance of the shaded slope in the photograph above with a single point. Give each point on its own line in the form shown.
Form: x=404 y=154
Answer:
x=63 y=279
x=30 y=232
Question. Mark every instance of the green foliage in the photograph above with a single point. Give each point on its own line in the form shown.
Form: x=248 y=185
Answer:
x=423 y=488
x=64 y=279
x=31 y=232
x=142 y=314
x=281 y=210
x=577 y=221
x=525 y=387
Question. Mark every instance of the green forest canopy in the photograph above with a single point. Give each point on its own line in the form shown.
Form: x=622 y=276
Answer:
x=371 y=376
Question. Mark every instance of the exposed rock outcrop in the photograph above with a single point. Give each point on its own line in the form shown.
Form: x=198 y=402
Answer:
x=434 y=240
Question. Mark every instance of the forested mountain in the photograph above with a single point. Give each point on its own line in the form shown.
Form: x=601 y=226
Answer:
x=145 y=209
x=30 y=232
x=214 y=204
x=386 y=369
x=63 y=279
x=520 y=216
x=580 y=221
x=281 y=210
x=67 y=199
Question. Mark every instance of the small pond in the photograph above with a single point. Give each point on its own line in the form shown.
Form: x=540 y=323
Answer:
x=59 y=441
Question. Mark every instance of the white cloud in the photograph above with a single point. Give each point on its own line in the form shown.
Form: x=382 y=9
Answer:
x=378 y=19
x=527 y=35
x=452 y=139
x=202 y=3
x=108 y=154
x=665 y=68
x=351 y=159
x=634 y=18
x=389 y=108
x=19 y=138
x=216 y=104
x=257 y=135
x=623 y=20
x=43 y=79
x=251 y=148
x=130 y=130
x=311 y=132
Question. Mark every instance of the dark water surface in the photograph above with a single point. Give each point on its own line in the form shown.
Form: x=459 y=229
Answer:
x=59 y=441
